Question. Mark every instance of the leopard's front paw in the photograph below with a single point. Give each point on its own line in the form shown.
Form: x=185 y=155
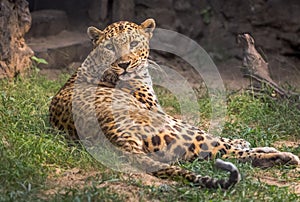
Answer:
x=266 y=160
x=289 y=158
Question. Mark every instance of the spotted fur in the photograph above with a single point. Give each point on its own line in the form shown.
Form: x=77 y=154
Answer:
x=113 y=84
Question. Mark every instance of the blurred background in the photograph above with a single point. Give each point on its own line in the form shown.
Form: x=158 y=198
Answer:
x=58 y=31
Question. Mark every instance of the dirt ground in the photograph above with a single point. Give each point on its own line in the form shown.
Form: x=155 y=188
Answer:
x=77 y=178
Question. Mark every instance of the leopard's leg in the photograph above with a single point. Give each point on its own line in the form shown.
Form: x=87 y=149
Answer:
x=144 y=162
x=264 y=157
x=238 y=143
x=192 y=143
x=206 y=146
x=264 y=150
x=265 y=160
x=243 y=144
x=163 y=170
x=203 y=181
x=260 y=156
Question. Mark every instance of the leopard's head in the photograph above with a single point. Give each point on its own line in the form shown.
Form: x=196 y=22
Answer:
x=123 y=46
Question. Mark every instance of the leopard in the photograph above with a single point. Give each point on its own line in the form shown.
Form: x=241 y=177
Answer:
x=113 y=85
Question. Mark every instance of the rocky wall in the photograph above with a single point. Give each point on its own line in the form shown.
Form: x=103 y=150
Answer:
x=214 y=24
x=274 y=24
x=15 y=21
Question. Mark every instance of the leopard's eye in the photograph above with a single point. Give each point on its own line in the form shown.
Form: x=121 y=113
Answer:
x=109 y=46
x=133 y=44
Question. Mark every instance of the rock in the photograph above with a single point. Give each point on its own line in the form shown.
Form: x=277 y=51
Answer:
x=164 y=17
x=154 y=3
x=190 y=24
x=268 y=39
x=123 y=10
x=98 y=10
x=48 y=22
x=63 y=49
x=214 y=24
x=15 y=21
x=182 y=5
x=292 y=44
x=287 y=17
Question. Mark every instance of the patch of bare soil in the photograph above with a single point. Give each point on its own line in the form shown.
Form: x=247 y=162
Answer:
x=286 y=143
x=281 y=179
x=61 y=181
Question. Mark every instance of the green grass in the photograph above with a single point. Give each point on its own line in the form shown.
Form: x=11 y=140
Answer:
x=31 y=152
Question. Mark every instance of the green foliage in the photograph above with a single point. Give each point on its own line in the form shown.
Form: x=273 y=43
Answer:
x=30 y=151
x=261 y=122
x=206 y=14
x=39 y=60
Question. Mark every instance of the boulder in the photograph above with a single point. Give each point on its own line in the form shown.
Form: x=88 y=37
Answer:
x=47 y=22
x=15 y=21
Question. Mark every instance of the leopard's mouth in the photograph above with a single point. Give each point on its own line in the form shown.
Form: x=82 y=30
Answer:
x=135 y=71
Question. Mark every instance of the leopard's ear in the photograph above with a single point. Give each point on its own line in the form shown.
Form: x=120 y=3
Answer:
x=94 y=34
x=148 y=26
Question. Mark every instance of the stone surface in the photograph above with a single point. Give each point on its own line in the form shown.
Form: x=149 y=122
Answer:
x=48 y=22
x=98 y=10
x=154 y=3
x=214 y=24
x=123 y=10
x=15 y=21
x=62 y=49
x=182 y=5
x=167 y=17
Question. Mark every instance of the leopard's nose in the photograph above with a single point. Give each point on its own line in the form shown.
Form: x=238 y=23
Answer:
x=124 y=65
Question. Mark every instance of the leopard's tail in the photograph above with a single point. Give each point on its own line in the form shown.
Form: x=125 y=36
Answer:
x=234 y=176
x=204 y=181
